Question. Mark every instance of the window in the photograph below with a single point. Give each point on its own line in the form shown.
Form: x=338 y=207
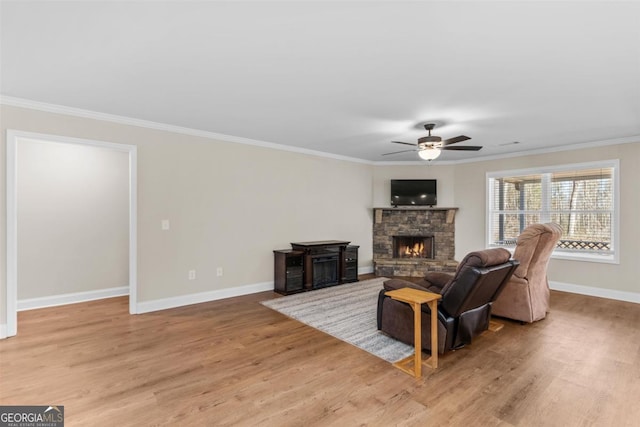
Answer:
x=581 y=198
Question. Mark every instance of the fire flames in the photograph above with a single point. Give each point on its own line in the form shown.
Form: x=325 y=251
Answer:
x=415 y=251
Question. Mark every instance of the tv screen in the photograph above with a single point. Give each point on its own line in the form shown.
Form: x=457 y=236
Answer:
x=413 y=192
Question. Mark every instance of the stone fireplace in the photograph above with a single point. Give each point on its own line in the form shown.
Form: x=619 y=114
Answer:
x=412 y=241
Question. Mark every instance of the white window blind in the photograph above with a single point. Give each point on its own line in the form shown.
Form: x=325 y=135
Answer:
x=580 y=198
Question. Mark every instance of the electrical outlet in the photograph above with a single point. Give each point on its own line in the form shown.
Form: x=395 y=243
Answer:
x=164 y=224
x=192 y=275
x=219 y=272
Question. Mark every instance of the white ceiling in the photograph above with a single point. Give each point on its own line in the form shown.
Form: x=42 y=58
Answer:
x=340 y=77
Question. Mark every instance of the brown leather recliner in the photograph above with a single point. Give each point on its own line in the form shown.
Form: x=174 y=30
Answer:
x=526 y=296
x=465 y=308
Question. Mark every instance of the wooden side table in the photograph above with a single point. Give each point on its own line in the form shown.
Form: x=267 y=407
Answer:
x=415 y=299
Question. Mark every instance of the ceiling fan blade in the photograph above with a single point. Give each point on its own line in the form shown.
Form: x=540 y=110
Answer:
x=405 y=143
x=398 y=152
x=463 y=148
x=455 y=140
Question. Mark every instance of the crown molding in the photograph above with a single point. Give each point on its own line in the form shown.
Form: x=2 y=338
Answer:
x=88 y=114
x=78 y=112
x=555 y=149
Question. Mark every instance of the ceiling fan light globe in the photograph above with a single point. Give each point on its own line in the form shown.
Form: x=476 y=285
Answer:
x=429 y=154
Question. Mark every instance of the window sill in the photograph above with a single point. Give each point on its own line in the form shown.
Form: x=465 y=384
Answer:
x=571 y=256
x=574 y=256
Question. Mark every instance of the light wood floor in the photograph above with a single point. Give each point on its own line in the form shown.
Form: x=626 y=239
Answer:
x=235 y=362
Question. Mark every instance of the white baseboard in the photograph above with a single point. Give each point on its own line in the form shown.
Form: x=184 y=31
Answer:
x=166 y=303
x=73 y=298
x=595 y=292
x=182 y=300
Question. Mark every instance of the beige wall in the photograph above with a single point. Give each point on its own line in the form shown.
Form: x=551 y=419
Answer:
x=229 y=205
x=464 y=186
x=73 y=218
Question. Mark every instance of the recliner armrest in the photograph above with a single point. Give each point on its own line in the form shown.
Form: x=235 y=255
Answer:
x=393 y=284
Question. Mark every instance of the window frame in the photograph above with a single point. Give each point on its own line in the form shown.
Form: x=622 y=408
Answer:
x=614 y=257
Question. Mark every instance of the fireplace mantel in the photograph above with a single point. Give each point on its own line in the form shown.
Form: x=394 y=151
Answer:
x=451 y=212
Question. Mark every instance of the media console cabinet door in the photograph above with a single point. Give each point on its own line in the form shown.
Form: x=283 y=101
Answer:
x=350 y=264
x=288 y=271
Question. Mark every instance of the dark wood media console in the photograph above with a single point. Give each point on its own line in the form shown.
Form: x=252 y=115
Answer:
x=315 y=265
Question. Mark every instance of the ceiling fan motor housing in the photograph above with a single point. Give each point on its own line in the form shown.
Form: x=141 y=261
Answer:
x=429 y=139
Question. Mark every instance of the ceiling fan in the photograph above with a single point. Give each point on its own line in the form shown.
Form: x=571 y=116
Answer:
x=429 y=147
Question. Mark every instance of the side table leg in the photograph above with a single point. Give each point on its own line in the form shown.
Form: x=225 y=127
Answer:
x=417 y=339
x=433 y=305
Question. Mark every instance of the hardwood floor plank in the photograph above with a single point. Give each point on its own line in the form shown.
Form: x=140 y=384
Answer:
x=235 y=362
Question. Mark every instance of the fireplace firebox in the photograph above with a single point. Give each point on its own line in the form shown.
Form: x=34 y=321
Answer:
x=413 y=247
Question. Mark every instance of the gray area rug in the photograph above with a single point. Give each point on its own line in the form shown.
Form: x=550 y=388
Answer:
x=347 y=312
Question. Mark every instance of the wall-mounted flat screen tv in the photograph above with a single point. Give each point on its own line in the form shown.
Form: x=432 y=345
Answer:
x=413 y=192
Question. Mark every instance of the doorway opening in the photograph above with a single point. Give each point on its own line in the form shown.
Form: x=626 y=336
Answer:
x=19 y=139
